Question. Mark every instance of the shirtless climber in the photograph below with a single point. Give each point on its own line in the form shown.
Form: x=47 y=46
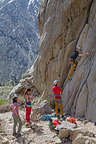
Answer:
x=73 y=62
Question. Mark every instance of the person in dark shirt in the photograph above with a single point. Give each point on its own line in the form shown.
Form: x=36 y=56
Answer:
x=73 y=62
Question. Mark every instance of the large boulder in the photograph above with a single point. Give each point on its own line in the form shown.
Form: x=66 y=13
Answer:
x=4 y=108
x=79 y=94
x=84 y=140
x=40 y=109
x=60 y=24
x=63 y=25
x=77 y=136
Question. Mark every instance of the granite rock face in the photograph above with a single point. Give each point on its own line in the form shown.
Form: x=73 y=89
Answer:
x=19 y=37
x=80 y=94
x=63 y=25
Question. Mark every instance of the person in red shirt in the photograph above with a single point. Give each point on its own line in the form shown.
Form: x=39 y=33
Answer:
x=57 y=96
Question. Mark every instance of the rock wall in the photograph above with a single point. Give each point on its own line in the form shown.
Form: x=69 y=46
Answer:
x=64 y=24
x=79 y=94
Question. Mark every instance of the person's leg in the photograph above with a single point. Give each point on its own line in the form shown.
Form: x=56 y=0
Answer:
x=75 y=65
x=29 y=112
x=71 y=70
x=14 y=126
x=61 y=109
x=56 y=108
x=26 y=112
x=20 y=125
x=76 y=62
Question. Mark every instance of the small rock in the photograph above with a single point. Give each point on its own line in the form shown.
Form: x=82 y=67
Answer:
x=86 y=121
x=87 y=142
x=75 y=132
x=79 y=139
x=4 y=108
x=4 y=141
x=25 y=130
x=64 y=133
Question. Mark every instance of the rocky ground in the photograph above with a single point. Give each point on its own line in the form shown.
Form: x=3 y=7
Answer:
x=41 y=134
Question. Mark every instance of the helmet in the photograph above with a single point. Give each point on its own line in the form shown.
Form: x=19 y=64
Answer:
x=55 y=82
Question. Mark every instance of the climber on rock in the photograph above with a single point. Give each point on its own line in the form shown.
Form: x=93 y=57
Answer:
x=58 y=99
x=73 y=62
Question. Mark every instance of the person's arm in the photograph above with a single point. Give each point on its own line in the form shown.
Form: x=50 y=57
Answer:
x=83 y=54
x=10 y=107
x=32 y=97
x=27 y=99
x=60 y=92
x=15 y=111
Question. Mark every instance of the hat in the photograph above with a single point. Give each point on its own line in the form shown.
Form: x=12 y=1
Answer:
x=55 y=82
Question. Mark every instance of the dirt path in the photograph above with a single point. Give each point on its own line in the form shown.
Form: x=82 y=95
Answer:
x=40 y=134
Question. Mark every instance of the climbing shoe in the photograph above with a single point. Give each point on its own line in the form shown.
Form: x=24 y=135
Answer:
x=28 y=125
x=14 y=134
x=18 y=135
x=75 y=69
x=70 y=78
x=58 y=117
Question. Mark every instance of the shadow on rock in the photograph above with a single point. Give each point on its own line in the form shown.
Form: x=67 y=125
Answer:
x=22 y=140
x=37 y=129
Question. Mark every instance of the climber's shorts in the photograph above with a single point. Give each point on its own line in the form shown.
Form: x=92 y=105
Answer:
x=71 y=62
x=58 y=100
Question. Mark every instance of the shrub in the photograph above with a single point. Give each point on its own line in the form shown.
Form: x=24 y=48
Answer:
x=3 y=102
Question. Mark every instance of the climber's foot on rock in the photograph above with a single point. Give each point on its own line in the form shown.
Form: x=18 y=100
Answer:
x=70 y=78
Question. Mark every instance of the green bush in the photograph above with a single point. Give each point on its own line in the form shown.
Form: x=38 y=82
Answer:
x=10 y=84
x=3 y=102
